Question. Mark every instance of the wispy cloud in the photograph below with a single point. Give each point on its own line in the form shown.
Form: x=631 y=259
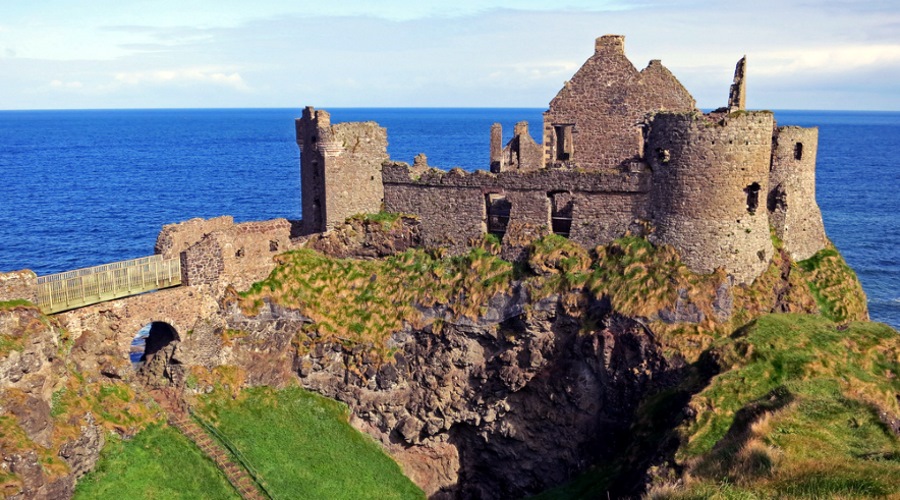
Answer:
x=183 y=76
x=839 y=59
x=59 y=84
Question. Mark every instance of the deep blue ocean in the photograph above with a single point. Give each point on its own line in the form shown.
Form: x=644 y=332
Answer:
x=82 y=188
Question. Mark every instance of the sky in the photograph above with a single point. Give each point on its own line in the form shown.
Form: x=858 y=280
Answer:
x=79 y=54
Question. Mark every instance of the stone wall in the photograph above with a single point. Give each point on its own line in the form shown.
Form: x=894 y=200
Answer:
x=453 y=207
x=600 y=109
x=176 y=238
x=340 y=168
x=521 y=153
x=710 y=179
x=791 y=199
x=18 y=285
x=240 y=254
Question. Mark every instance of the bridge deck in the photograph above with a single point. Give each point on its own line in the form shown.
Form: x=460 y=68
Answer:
x=83 y=287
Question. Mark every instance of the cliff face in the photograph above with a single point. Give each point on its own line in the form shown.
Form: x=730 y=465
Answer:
x=57 y=403
x=499 y=407
x=38 y=459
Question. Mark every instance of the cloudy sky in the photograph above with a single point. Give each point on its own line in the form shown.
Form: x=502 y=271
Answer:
x=802 y=54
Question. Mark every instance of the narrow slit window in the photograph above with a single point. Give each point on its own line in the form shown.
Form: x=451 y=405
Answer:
x=798 y=151
x=564 y=148
x=752 y=197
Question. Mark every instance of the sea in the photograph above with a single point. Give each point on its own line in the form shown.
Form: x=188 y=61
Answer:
x=88 y=187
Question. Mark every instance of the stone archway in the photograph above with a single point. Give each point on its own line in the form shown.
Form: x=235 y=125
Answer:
x=158 y=365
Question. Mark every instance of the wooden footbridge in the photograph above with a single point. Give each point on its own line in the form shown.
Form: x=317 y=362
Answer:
x=83 y=287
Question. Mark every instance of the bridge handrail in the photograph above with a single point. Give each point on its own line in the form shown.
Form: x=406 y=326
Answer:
x=97 y=269
x=82 y=287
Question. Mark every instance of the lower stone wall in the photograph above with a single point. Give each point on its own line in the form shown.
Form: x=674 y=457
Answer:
x=452 y=206
x=450 y=217
x=178 y=237
x=599 y=218
x=242 y=253
x=18 y=285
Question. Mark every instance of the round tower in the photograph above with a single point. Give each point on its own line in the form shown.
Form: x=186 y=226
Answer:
x=710 y=180
x=791 y=200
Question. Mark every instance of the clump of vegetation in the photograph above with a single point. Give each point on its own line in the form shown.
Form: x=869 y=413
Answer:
x=14 y=304
x=157 y=463
x=364 y=301
x=387 y=220
x=835 y=286
x=302 y=446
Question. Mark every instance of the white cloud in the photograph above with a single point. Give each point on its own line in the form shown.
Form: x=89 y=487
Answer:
x=183 y=76
x=59 y=84
x=843 y=59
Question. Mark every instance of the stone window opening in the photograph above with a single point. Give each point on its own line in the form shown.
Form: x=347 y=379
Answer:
x=564 y=148
x=273 y=246
x=777 y=199
x=561 y=204
x=239 y=253
x=798 y=151
x=752 y=197
x=497 y=209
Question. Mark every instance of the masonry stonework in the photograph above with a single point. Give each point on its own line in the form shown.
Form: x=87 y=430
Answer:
x=18 y=285
x=595 y=120
x=340 y=172
x=624 y=152
x=710 y=175
x=791 y=199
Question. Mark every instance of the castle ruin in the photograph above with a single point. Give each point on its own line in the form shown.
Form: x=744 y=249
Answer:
x=623 y=151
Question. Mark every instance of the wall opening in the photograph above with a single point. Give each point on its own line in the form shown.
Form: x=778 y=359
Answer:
x=777 y=199
x=561 y=204
x=752 y=197
x=150 y=340
x=798 y=151
x=497 y=209
x=564 y=149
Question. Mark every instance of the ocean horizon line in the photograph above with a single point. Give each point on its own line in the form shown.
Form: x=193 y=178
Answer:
x=476 y=108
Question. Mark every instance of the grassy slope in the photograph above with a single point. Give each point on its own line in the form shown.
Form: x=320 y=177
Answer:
x=796 y=413
x=301 y=445
x=157 y=463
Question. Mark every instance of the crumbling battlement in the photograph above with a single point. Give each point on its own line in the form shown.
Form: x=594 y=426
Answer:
x=791 y=199
x=623 y=151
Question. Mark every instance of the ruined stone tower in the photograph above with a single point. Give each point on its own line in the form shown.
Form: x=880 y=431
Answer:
x=710 y=179
x=791 y=199
x=340 y=169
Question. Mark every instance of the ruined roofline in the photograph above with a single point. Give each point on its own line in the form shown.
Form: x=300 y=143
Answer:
x=611 y=45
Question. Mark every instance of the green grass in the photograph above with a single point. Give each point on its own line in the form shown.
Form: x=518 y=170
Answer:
x=12 y=304
x=157 y=463
x=365 y=301
x=301 y=446
x=795 y=413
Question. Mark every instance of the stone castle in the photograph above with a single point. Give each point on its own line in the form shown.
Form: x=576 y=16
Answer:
x=624 y=151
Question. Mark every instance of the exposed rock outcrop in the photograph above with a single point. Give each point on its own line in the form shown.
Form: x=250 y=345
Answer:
x=502 y=407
